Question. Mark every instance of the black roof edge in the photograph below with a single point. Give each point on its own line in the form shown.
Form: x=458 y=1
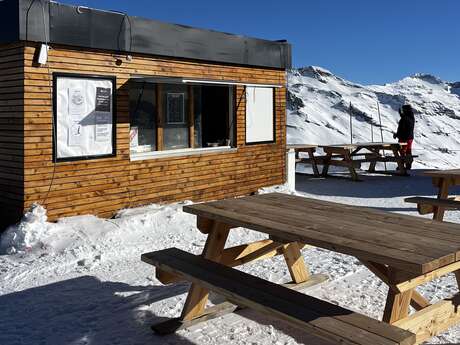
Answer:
x=56 y=23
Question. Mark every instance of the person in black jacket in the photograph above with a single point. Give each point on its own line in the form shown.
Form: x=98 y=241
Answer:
x=405 y=132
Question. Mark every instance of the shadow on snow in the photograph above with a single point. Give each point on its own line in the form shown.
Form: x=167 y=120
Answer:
x=87 y=311
x=371 y=186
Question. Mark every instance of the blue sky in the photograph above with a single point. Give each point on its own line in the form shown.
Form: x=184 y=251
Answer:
x=367 y=41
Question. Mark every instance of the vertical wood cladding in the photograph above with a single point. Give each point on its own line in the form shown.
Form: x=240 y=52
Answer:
x=11 y=132
x=103 y=186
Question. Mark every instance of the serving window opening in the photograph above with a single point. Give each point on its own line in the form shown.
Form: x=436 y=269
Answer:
x=178 y=116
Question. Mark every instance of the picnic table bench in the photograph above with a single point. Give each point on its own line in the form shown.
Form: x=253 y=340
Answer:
x=443 y=180
x=345 y=155
x=402 y=251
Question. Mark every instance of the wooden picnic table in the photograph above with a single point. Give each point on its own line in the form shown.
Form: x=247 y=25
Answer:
x=403 y=251
x=344 y=155
x=310 y=149
x=443 y=180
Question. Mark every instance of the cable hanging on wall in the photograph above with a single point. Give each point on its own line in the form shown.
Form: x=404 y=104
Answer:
x=43 y=61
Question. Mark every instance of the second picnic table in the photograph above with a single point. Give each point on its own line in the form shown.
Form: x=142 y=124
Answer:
x=345 y=155
x=443 y=180
x=402 y=251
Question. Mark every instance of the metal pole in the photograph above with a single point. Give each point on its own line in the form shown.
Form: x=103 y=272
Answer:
x=381 y=131
x=351 y=125
x=372 y=129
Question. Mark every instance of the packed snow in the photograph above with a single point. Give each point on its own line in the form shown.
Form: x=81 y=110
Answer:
x=80 y=280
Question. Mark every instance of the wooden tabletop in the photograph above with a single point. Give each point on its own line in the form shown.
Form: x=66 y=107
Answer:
x=364 y=144
x=408 y=243
x=301 y=146
x=451 y=173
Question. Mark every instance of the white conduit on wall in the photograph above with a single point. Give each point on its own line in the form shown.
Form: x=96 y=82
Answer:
x=290 y=169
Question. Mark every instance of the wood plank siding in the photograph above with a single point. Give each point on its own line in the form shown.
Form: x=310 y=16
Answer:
x=103 y=186
x=11 y=132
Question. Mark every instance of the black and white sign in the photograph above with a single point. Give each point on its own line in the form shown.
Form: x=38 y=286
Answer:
x=175 y=113
x=103 y=99
x=84 y=116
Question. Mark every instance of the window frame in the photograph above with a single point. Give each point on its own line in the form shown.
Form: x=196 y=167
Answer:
x=189 y=120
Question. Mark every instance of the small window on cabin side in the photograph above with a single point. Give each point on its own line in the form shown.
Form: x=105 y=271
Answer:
x=180 y=116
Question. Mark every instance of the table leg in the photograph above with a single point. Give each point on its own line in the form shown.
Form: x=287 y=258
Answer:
x=397 y=306
x=326 y=164
x=311 y=155
x=428 y=320
x=418 y=302
x=347 y=158
x=399 y=161
x=372 y=165
x=442 y=194
x=296 y=265
x=198 y=296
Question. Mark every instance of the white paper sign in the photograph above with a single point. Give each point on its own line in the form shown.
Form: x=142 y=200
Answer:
x=75 y=135
x=84 y=117
x=103 y=127
x=77 y=103
x=134 y=137
x=259 y=114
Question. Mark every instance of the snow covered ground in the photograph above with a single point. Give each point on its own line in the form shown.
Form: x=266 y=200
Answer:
x=80 y=280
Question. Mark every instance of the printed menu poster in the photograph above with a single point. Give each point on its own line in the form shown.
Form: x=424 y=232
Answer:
x=84 y=116
x=103 y=99
x=103 y=127
x=75 y=137
x=77 y=103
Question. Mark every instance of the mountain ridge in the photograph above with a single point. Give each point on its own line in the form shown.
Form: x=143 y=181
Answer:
x=320 y=102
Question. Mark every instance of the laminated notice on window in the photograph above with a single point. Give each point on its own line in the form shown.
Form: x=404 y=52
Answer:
x=175 y=112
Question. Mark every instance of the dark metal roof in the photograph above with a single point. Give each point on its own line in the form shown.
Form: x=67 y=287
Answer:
x=42 y=20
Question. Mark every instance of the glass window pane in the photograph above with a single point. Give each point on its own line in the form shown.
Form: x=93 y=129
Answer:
x=197 y=116
x=215 y=112
x=176 y=137
x=176 y=117
x=143 y=117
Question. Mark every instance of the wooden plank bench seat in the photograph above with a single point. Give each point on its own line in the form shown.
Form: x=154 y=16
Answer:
x=317 y=159
x=370 y=158
x=318 y=317
x=321 y=160
x=427 y=205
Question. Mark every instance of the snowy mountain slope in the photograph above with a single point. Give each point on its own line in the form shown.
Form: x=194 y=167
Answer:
x=319 y=108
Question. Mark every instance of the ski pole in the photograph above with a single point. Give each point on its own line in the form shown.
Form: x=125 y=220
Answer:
x=351 y=125
x=381 y=132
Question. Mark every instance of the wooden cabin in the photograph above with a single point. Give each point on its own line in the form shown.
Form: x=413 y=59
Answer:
x=101 y=111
